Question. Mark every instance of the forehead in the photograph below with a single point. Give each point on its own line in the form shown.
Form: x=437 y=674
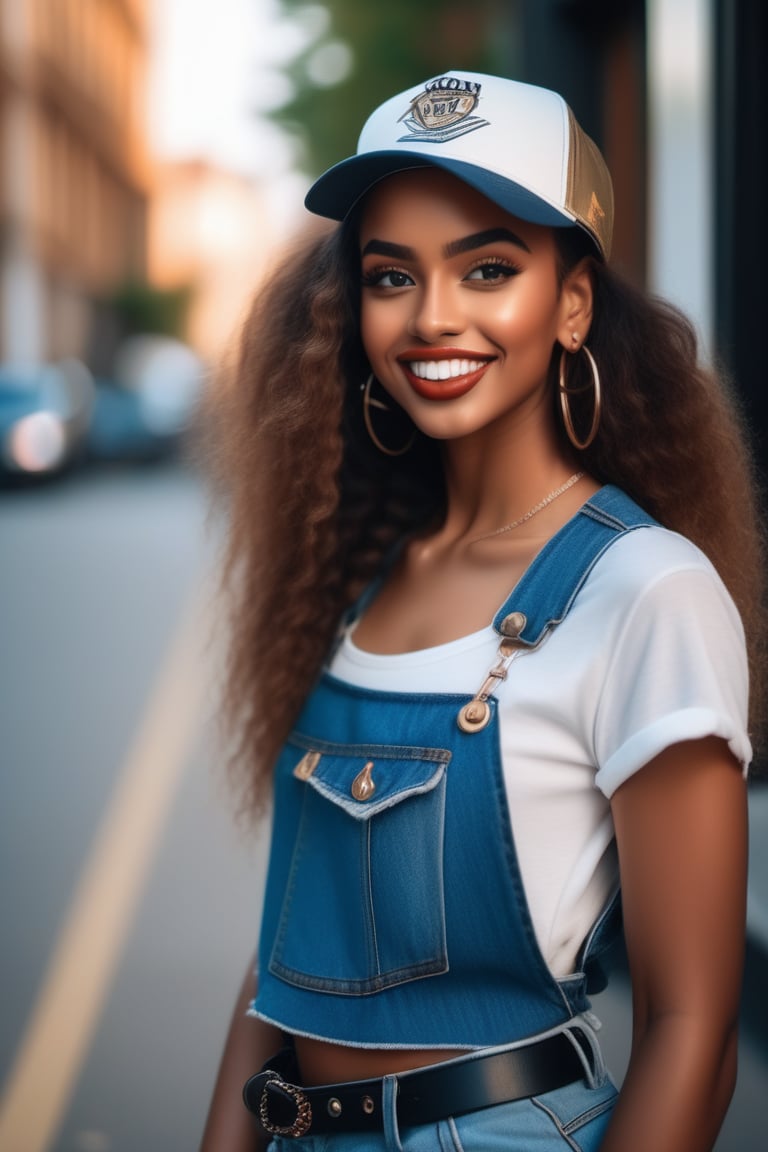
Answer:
x=410 y=201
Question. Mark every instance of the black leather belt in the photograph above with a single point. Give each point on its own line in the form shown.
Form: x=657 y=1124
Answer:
x=424 y=1096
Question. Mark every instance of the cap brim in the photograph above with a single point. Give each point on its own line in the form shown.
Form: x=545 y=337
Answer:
x=338 y=190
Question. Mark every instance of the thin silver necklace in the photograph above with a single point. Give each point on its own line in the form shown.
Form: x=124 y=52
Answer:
x=542 y=504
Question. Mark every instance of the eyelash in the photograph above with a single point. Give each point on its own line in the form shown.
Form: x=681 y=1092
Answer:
x=507 y=267
x=374 y=278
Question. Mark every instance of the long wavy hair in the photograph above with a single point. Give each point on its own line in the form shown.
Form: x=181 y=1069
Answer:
x=312 y=507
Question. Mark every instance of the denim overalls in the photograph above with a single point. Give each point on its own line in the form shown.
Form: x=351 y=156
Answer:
x=394 y=912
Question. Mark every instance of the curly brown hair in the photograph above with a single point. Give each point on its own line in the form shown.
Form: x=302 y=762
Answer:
x=312 y=507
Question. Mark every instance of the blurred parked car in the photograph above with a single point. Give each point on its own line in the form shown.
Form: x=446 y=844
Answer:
x=45 y=413
x=143 y=413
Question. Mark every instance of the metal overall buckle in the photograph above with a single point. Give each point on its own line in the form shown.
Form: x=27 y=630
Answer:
x=303 y=1119
x=476 y=715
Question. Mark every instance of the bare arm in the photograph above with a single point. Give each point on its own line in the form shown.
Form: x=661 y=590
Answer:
x=681 y=829
x=250 y=1042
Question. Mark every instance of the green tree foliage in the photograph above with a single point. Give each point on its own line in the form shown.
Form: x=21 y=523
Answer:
x=141 y=308
x=394 y=44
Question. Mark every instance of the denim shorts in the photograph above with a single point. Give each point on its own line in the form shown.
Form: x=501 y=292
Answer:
x=574 y=1117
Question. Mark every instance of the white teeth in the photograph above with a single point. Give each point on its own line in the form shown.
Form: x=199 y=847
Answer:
x=444 y=369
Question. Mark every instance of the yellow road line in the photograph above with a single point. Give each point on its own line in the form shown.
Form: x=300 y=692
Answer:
x=88 y=949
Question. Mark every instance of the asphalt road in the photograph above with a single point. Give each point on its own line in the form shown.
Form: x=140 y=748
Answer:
x=129 y=897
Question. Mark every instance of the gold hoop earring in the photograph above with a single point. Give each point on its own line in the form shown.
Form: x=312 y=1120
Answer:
x=565 y=393
x=371 y=402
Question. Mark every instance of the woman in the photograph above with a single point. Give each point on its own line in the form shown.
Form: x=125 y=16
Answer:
x=489 y=526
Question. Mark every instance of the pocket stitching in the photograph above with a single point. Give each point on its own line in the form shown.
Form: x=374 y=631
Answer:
x=364 y=810
x=383 y=751
x=577 y=1122
x=589 y=1115
x=435 y=962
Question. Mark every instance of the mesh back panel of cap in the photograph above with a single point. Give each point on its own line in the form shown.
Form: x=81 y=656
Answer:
x=589 y=194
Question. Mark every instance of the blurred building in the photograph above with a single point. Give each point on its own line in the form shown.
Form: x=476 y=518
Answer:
x=73 y=169
x=208 y=231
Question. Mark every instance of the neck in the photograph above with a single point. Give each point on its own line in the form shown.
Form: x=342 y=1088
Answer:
x=496 y=476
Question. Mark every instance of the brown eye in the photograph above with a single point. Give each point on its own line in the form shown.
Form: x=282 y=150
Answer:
x=386 y=278
x=492 y=271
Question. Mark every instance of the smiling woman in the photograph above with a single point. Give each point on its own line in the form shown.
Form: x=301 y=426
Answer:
x=465 y=284
x=492 y=548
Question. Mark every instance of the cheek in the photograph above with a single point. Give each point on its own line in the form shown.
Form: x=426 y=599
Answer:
x=524 y=343
x=519 y=319
x=379 y=328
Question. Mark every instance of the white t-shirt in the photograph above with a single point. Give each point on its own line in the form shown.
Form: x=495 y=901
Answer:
x=651 y=653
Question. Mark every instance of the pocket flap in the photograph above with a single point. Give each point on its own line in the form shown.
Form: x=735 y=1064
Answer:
x=364 y=781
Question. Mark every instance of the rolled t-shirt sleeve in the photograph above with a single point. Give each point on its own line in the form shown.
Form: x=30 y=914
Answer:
x=678 y=671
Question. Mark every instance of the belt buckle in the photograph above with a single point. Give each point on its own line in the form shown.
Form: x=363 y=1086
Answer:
x=303 y=1119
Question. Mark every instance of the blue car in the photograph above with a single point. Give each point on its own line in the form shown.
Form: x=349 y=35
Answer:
x=145 y=410
x=45 y=411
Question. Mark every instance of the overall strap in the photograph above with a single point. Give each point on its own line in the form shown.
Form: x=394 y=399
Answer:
x=546 y=592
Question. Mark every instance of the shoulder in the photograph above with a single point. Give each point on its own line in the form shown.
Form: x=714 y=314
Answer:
x=672 y=663
x=650 y=553
x=652 y=582
x=650 y=563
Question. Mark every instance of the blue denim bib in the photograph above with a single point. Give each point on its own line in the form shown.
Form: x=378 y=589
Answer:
x=394 y=913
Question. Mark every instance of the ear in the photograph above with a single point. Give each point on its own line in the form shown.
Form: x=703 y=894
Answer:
x=576 y=297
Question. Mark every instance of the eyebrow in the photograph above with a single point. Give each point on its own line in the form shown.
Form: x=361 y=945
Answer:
x=480 y=239
x=384 y=248
x=455 y=248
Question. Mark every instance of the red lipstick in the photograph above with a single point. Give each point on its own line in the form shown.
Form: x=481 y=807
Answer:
x=445 y=389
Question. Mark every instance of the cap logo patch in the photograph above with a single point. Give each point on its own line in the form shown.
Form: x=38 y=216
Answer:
x=443 y=111
x=595 y=215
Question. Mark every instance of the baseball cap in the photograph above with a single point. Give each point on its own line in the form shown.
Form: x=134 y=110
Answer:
x=518 y=144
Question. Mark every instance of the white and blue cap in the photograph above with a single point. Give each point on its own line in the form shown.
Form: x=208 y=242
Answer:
x=518 y=144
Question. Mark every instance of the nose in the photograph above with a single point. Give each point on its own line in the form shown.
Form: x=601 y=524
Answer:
x=436 y=311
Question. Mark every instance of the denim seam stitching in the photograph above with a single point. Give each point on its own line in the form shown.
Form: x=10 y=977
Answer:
x=393 y=977
x=371 y=905
x=282 y=924
x=455 y=1138
x=555 y=1120
x=383 y=751
x=585 y=1117
x=365 y=810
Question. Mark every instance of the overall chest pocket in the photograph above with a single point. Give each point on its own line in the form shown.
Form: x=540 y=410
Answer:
x=364 y=904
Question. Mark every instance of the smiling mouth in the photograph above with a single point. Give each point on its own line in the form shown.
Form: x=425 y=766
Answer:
x=443 y=377
x=444 y=369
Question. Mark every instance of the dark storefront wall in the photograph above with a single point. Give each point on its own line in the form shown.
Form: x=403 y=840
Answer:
x=741 y=192
x=593 y=52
